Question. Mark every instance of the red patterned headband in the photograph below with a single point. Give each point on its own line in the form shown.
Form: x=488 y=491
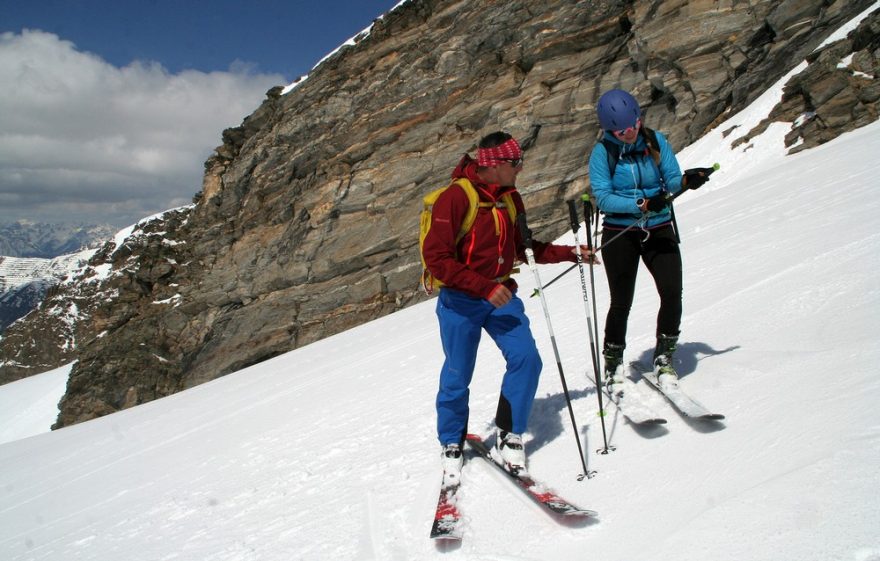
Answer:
x=488 y=157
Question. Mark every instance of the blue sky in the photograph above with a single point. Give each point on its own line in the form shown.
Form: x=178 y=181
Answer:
x=276 y=36
x=109 y=109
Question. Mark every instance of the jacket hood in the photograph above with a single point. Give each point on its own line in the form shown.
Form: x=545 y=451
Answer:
x=467 y=168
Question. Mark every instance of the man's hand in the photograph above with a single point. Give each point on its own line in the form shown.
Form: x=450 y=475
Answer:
x=587 y=255
x=500 y=296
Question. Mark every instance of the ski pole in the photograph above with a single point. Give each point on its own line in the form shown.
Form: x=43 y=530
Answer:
x=530 y=258
x=587 y=215
x=594 y=349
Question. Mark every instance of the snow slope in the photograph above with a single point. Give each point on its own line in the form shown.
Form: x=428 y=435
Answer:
x=329 y=452
x=30 y=406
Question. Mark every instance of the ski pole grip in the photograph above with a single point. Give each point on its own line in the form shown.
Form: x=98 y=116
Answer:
x=588 y=211
x=523 y=228
x=588 y=220
x=573 y=216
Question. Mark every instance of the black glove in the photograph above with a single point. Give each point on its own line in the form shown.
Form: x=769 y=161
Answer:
x=657 y=203
x=696 y=177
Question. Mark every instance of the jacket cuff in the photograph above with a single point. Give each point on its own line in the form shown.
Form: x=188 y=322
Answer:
x=493 y=291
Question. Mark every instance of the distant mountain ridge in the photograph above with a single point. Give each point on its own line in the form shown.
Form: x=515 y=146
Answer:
x=47 y=241
x=24 y=281
x=34 y=257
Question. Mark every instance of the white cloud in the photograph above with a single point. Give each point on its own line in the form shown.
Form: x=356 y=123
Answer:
x=81 y=139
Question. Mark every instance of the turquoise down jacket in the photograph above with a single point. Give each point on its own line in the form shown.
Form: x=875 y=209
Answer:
x=636 y=177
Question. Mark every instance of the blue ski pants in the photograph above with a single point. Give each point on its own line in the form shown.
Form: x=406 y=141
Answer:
x=462 y=319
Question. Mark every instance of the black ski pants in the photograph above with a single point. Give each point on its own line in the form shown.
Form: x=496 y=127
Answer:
x=662 y=257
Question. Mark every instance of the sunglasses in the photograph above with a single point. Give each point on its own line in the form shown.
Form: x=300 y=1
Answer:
x=513 y=162
x=627 y=130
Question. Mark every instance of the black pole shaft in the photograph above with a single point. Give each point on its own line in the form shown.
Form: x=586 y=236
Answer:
x=674 y=223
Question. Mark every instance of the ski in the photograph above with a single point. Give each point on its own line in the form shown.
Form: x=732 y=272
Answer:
x=447 y=517
x=636 y=412
x=687 y=405
x=535 y=490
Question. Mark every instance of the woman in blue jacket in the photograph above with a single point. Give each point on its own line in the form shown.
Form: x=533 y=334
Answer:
x=634 y=184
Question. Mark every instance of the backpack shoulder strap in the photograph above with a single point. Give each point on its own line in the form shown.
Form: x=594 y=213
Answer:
x=613 y=152
x=473 y=206
x=507 y=201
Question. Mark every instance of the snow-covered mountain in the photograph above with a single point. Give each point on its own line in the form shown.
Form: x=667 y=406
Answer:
x=36 y=256
x=25 y=280
x=49 y=337
x=329 y=451
x=46 y=241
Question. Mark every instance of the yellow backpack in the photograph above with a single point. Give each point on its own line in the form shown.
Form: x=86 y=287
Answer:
x=429 y=282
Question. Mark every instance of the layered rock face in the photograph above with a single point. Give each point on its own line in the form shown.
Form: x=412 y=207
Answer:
x=306 y=224
x=838 y=91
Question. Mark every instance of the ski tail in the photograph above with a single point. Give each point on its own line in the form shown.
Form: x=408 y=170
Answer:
x=686 y=405
x=447 y=517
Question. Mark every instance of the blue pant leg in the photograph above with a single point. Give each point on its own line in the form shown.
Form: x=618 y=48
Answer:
x=509 y=328
x=461 y=323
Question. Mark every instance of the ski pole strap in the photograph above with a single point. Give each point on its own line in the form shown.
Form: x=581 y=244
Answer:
x=588 y=215
x=572 y=216
x=524 y=230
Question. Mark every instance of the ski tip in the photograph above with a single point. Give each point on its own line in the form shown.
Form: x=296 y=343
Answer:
x=713 y=417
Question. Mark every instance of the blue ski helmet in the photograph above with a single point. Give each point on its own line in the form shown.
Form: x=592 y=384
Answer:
x=618 y=110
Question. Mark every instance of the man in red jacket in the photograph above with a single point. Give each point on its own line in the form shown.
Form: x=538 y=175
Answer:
x=478 y=293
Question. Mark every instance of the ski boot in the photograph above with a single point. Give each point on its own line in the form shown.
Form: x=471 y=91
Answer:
x=614 y=381
x=509 y=446
x=451 y=459
x=667 y=377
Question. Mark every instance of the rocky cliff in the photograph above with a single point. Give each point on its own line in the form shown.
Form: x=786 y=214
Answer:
x=306 y=222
